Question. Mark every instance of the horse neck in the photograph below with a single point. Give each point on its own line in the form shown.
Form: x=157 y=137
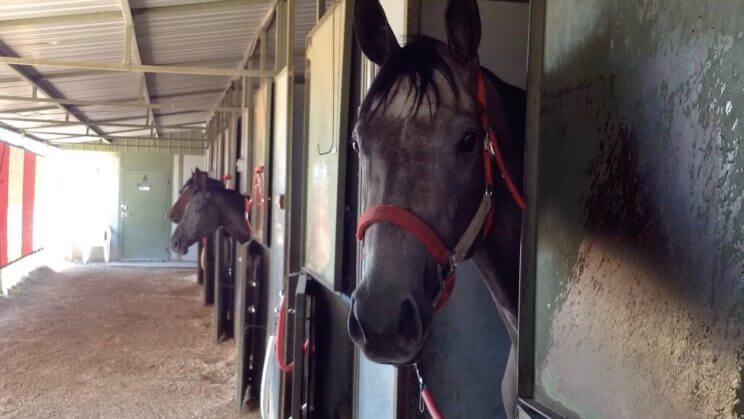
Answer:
x=497 y=258
x=232 y=211
x=215 y=184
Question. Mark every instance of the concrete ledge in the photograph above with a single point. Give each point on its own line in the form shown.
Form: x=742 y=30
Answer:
x=15 y=272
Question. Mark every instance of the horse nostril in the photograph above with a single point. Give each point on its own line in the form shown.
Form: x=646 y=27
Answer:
x=176 y=244
x=409 y=322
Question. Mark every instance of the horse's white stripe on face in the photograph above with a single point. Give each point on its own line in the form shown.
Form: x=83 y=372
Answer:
x=402 y=101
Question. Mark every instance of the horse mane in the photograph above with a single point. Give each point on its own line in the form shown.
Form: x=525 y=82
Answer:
x=418 y=62
x=212 y=184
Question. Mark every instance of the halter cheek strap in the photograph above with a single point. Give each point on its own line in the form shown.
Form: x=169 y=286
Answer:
x=491 y=149
x=447 y=260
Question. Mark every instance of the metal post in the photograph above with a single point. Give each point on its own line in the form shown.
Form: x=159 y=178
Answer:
x=280 y=49
x=320 y=7
x=262 y=51
x=127 y=44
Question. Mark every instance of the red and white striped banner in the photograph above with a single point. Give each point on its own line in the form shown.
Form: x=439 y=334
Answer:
x=18 y=178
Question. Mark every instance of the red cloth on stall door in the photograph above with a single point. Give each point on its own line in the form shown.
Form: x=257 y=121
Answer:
x=4 y=168
x=29 y=194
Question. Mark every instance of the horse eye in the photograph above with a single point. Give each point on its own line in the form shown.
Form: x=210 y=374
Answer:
x=467 y=144
x=355 y=145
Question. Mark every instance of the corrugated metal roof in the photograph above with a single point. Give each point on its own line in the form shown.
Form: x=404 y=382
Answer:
x=205 y=33
x=25 y=9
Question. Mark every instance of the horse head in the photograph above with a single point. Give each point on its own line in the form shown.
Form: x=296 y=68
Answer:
x=208 y=210
x=421 y=141
x=198 y=180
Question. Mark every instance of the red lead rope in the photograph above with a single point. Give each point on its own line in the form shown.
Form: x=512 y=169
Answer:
x=281 y=319
x=431 y=405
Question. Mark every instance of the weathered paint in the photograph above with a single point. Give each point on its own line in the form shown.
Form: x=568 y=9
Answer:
x=640 y=233
x=327 y=75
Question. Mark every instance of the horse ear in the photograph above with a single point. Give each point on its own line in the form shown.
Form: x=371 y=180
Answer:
x=373 y=31
x=201 y=179
x=463 y=28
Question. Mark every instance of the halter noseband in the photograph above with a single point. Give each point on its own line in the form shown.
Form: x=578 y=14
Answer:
x=447 y=260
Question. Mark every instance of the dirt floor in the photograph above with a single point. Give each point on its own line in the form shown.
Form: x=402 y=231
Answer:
x=112 y=342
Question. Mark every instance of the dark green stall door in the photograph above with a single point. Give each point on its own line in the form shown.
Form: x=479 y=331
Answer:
x=143 y=206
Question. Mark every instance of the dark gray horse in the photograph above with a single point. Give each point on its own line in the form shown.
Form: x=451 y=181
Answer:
x=198 y=180
x=207 y=210
x=420 y=141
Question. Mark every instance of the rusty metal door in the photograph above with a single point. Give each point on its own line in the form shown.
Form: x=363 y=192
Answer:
x=633 y=275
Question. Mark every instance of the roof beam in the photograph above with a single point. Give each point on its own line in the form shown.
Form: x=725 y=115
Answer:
x=135 y=68
x=19 y=132
x=188 y=93
x=132 y=50
x=123 y=104
x=67 y=136
x=249 y=51
x=57 y=123
x=131 y=118
x=172 y=149
x=29 y=109
x=32 y=77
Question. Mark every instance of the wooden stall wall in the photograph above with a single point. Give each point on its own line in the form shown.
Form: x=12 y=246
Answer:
x=634 y=262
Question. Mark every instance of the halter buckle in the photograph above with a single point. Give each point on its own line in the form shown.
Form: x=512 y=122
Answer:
x=487 y=144
x=422 y=387
x=444 y=271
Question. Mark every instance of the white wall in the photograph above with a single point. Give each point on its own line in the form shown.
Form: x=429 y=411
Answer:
x=85 y=187
x=503 y=48
x=397 y=15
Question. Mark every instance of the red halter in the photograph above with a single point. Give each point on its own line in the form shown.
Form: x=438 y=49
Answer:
x=447 y=260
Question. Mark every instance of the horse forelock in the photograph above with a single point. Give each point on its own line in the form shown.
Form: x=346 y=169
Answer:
x=416 y=80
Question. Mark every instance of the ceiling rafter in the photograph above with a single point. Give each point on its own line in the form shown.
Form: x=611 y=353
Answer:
x=66 y=136
x=74 y=112
x=19 y=132
x=57 y=123
x=182 y=105
x=249 y=51
x=34 y=79
x=133 y=68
